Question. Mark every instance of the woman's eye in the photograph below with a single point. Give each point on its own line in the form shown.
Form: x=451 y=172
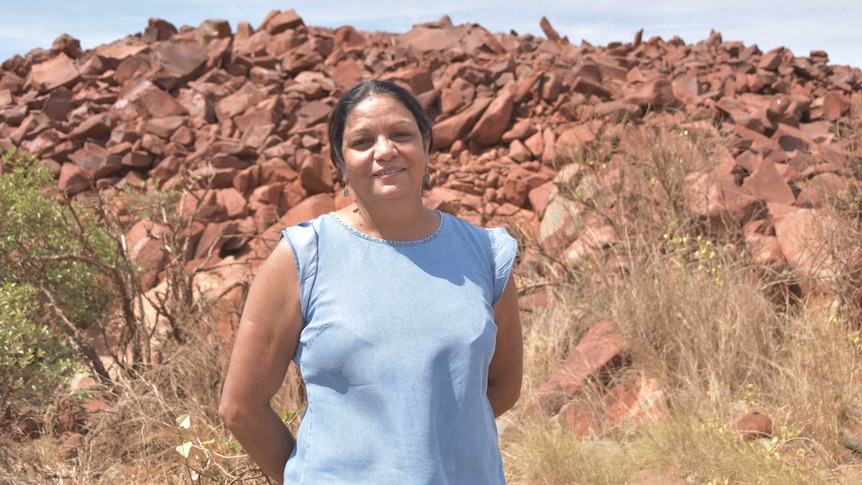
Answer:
x=360 y=144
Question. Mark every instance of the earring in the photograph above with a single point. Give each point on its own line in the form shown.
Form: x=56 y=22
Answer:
x=427 y=177
x=346 y=192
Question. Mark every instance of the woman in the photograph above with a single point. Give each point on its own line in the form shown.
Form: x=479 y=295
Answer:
x=403 y=322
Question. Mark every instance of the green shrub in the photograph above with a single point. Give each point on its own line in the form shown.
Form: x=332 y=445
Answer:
x=33 y=357
x=52 y=285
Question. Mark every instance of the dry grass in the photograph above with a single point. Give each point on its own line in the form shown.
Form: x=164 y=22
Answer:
x=719 y=348
x=706 y=324
x=136 y=440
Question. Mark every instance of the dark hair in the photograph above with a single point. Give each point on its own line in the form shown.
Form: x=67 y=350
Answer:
x=359 y=93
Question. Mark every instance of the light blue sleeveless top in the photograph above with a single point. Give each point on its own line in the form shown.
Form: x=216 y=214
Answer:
x=394 y=354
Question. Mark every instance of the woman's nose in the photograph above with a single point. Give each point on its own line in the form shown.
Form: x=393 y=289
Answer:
x=384 y=149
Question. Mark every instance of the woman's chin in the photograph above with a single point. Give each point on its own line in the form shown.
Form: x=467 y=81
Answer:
x=391 y=192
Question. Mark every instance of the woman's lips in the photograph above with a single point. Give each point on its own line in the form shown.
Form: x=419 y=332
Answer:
x=385 y=173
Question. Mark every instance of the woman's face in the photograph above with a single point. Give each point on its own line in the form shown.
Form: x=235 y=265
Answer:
x=384 y=153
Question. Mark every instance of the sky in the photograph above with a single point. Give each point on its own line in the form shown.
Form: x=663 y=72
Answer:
x=799 y=25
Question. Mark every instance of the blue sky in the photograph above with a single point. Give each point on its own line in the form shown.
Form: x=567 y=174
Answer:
x=801 y=26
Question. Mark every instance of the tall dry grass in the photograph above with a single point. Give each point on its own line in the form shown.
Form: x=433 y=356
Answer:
x=707 y=325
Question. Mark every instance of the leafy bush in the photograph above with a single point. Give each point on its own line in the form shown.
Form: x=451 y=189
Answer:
x=33 y=356
x=50 y=284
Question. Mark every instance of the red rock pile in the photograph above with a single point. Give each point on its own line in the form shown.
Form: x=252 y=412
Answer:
x=246 y=111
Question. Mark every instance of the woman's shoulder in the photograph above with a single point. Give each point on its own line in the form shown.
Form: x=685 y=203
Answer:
x=497 y=235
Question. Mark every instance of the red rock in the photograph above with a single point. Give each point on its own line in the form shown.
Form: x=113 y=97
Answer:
x=67 y=45
x=618 y=111
x=588 y=246
x=718 y=198
x=238 y=102
x=137 y=159
x=764 y=251
x=267 y=195
x=534 y=301
x=561 y=222
x=549 y=151
x=278 y=22
x=521 y=130
x=600 y=349
x=829 y=186
x=308 y=209
x=281 y=44
x=766 y=184
x=158 y=30
x=54 y=73
x=164 y=127
x=96 y=161
x=552 y=85
x=316 y=174
x=591 y=88
x=444 y=199
x=447 y=131
x=415 y=79
x=525 y=87
x=347 y=37
x=313 y=113
x=68 y=448
x=73 y=179
x=234 y=203
x=580 y=418
x=753 y=425
x=213 y=238
x=540 y=196
x=579 y=135
x=834 y=106
x=635 y=403
x=98 y=126
x=771 y=60
x=459 y=94
x=656 y=93
x=14 y=83
x=149 y=100
x=57 y=105
x=422 y=39
x=13 y=115
x=792 y=139
x=112 y=54
x=801 y=235
x=686 y=88
x=146 y=251
x=549 y=31
x=494 y=121
x=210 y=30
x=346 y=73
x=519 y=152
x=177 y=61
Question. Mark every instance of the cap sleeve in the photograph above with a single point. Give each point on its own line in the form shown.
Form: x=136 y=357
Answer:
x=504 y=248
x=303 y=241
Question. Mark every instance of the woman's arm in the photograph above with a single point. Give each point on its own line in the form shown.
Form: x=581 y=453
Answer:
x=265 y=343
x=507 y=365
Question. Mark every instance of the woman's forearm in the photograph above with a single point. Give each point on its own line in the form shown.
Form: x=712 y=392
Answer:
x=264 y=437
x=502 y=399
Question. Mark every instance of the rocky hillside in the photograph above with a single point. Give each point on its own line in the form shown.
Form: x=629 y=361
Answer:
x=244 y=110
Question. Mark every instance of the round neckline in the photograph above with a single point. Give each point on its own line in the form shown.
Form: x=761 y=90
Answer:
x=388 y=242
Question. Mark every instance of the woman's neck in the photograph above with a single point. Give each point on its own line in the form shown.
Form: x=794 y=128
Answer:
x=392 y=221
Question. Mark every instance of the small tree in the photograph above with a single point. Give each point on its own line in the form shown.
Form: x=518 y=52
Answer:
x=49 y=289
